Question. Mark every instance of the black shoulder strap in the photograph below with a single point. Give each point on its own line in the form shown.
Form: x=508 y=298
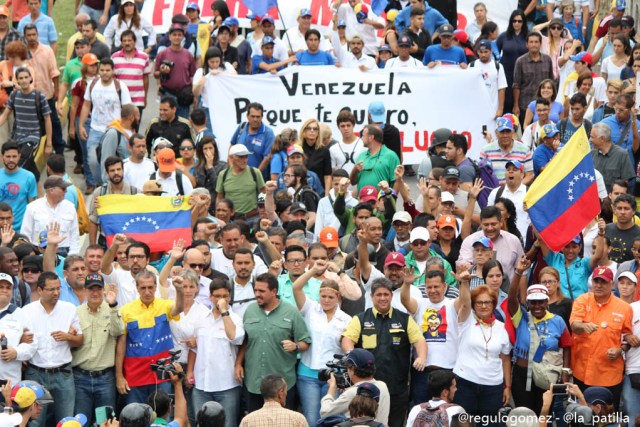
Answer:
x=22 y=287
x=179 y=182
x=563 y=127
x=225 y=172
x=118 y=89
x=152 y=177
x=500 y=191
x=103 y=189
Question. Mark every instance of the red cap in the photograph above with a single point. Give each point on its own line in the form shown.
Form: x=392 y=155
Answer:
x=602 y=272
x=394 y=258
x=368 y=193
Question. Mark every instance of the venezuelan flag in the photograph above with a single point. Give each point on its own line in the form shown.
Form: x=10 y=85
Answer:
x=155 y=220
x=564 y=197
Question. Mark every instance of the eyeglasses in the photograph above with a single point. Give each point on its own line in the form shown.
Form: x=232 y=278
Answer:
x=621 y=110
x=198 y=266
x=313 y=129
x=517 y=21
x=549 y=282
x=137 y=256
x=186 y=147
x=484 y=303
x=296 y=261
x=556 y=27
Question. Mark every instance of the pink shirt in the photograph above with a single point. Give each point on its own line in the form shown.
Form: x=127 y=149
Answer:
x=131 y=72
x=43 y=61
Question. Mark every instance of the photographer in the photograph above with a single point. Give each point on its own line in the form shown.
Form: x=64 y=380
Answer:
x=161 y=402
x=360 y=366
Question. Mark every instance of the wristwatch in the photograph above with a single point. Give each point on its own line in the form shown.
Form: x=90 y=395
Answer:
x=114 y=305
x=297 y=347
x=226 y=313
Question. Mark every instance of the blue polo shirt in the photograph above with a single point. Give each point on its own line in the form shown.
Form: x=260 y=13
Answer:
x=257 y=59
x=47 y=33
x=541 y=156
x=258 y=143
x=616 y=132
x=67 y=294
x=452 y=56
x=319 y=58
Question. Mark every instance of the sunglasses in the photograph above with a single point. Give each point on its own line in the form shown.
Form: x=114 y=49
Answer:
x=194 y=266
x=517 y=21
x=188 y=148
x=31 y=270
x=556 y=27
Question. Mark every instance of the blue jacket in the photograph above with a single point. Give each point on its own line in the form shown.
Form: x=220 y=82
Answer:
x=432 y=19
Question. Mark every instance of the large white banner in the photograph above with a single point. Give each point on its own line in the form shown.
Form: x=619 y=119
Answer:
x=160 y=12
x=417 y=101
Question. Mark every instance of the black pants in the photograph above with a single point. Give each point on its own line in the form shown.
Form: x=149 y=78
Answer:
x=531 y=399
x=616 y=390
x=398 y=409
x=56 y=126
x=256 y=401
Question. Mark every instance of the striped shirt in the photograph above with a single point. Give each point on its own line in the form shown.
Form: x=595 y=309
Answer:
x=499 y=158
x=27 y=124
x=131 y=71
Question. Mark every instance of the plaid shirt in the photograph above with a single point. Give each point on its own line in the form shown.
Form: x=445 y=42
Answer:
x=12 y=35
x=274 y=415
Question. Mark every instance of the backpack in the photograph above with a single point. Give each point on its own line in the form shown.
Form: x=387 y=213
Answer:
x=562 y=126
x=225 y=172
x=433 y=417
x=232 y=288
x=83 y=216
x=350 y=423
x=38 y=110
x=178 y=181
x=115 y=81
x=496 y=63
x=300 y=196
x=484 y=171
x=99 y=147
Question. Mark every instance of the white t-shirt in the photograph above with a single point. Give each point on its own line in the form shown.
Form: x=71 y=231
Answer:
x=170 y=185
x=295 y=38
x=439 y=324
x=224 y=265
x=494 y=80
x=599 y=89
x=632 y=357
x=613 y=71
x=136 y=174
x=398 y=63
x=471 y=363
x=105 y=104
x=531 y=135
x=451 y=411
x=343 y=156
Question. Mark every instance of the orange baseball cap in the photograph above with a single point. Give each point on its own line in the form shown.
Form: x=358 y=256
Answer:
x=166 y=160
x=4 y=10
x=329 y=237
x=447 y=221
x=90 y=59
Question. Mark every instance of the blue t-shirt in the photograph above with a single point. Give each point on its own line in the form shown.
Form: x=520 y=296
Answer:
x=616 y=133
x=579 y=272
x=541 y=156
x=452 y=56
x=319 y=58
x=258 y=144
x=554 y=115
x=47 y=32
x=15 y=190
x=278 y=162
x=257 y=59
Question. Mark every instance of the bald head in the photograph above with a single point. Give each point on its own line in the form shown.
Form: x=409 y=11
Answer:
x=193 y=256
x=81 y=18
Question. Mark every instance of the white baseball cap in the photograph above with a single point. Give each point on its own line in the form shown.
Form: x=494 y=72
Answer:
x=239 y=150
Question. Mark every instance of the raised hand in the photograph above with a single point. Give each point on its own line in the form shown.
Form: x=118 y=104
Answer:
x=177 y=252
x=110 y=292
x=409 y=276
x=54 y=237
x=476 y=188
x=6 y=233
x=424 y=187
x=178 y=283
x=119 y=239
x=344 y=185
x=270 y=187
x=262 y=237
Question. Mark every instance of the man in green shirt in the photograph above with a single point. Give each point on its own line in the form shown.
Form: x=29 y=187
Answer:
x=295 y=261
x=376 y=164
x=241 y=183
x=275 y=334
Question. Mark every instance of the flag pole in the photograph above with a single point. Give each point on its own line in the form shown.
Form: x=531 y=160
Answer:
x=284 y=25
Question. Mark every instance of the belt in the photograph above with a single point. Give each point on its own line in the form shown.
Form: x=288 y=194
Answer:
x=249 y=214
x=92 y=373
x=62 y=369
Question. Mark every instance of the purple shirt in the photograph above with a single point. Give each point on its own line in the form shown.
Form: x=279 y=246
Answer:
x=183 y=69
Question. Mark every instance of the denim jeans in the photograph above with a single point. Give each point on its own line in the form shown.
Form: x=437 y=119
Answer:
x=92 y=155
x=141 y=393
x=630 y=399
x=93 y=391
x=88 y=176
x=206 y=112
x=95 y=14
x=478 y=399
x=310 y=392
x=229 y=399
x=62 y=389
x=56 y=134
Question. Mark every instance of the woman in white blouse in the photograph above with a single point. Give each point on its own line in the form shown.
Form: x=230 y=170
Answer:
x=483 y=368
x=326 y=323
x=128 y=18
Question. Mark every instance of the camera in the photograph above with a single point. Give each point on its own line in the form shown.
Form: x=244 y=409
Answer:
x=169 y=64
x=560 y=389
x=165 y=76
x=162 y=367
x=338 y=366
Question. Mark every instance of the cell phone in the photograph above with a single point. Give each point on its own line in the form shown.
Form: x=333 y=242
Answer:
x=103 y=413
x=560 y=389
x=484 y=129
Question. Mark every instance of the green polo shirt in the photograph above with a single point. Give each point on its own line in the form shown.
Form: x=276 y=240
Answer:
x=379 y=167
x=265 y=332
x=70 y=74
x=285 y=289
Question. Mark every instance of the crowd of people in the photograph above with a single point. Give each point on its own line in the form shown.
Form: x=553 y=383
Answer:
x=313 y=288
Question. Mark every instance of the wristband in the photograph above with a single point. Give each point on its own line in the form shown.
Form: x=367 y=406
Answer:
x=114 y=305
x=507 y=386
x=226 y=313
x=297 y=347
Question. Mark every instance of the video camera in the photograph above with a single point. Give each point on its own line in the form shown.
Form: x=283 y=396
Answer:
x=162 y=367
x=338 y=366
